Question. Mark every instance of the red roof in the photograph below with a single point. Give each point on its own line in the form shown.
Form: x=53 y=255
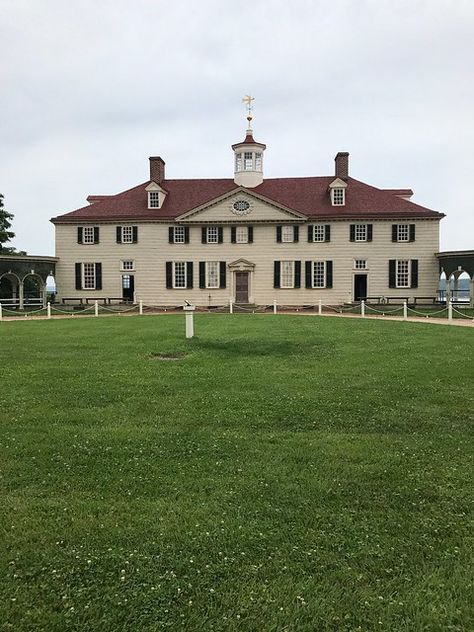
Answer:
x=308 y=196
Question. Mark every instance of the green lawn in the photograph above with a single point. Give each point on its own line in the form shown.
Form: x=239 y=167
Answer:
x=288 y=473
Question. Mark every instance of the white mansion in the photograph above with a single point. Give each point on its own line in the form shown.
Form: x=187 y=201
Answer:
x=248 y=239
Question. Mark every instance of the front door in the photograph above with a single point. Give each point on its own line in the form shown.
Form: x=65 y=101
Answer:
x=128 y=287
x=241 y=287
x=360 y=287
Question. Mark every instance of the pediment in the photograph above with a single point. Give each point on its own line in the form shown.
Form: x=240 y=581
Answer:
x=338 y=183
x=241 y=206
x=155 y=187
x=242 y=264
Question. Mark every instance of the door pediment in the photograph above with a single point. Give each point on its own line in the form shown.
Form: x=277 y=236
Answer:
x=242 y=265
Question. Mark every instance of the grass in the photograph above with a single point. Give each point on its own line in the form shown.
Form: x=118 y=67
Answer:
x=285 y=473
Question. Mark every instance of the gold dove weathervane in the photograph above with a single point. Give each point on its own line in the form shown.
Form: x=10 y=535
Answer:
x=248 y=103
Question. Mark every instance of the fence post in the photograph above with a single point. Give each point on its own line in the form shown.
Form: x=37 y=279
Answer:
x=231 y=311
x=96 y=308
x=140 y=307
x=320 y=307
x=49 y=309
x=362 y=309
x=1 y=315
x=405 y=310
x=450 y=310
x=274 y=306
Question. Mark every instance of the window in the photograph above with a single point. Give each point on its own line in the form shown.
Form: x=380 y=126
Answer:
x=319 y=232
x=128 y=265
x=287 y=274
x=338 y=196
x=287 y=234
x=88 y=276
x=154 y=199
x=248 y=162
x=88 y=235
x=238 y=162
x=127 y=234
x=403 y=273
x=126 y=282
x=361 y=232
x=319 y=274
x=403 y=232
x=258 y=161
x=212 y=235
x=360 y=264
x=212 y=274
x=241 y=235
x=179 y=274
x=179 y=234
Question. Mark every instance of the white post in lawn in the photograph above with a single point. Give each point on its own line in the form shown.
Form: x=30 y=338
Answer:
x=189 y=310
x=320 y=307
x=140 y=307
x=231 y=310
x=450 y=310
x=48 y=306
x=96 y=308
x=274 y=306
x=362 y=309
x=405 y=310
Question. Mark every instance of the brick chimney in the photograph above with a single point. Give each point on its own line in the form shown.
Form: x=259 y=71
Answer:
x=157 y=169
x=342 y=164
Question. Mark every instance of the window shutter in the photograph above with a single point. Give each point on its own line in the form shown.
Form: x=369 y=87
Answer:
x=118 y=234
x=98 y=276
x=169 y=274
x=307 y=274
x=222 y=271
x=202 y=274
x=186 y=234
x=233 y=234
x=392 y=273
x=279 y=234
x=250 y=234
x=327 y=232
x=135 y=234
x=352 y=233
x=203 y=235
x=297 y=279
x=220 y=234
x=170 y=235
x=394 y=232
x=78 y=268
x=310 y=232
x=189 y=275
x=79 y=234
x=328 y=274
x=370 y=232
x=414 y=273
x=412 y=232
x=276 y=274
x=96 y=234
x=296 y=233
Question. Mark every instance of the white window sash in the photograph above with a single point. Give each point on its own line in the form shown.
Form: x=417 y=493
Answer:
x=287 y=274
x=212 y=275
x=183 y=275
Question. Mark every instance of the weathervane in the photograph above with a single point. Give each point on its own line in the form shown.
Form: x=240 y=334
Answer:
x=248 y=103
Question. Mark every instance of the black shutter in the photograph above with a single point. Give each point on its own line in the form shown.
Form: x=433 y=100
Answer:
x=171 y=235
x=414 y=273
x=233 y=234
x=189 y=275
x=296 y=233
x=202 y=274
x=276 y=274
x=169 y=274
x=96 y=234
x=222 y=270
x=394 y=232
x=186 y=234
x=79 y=234
x=118 y=234
x=370 y=232
x=135 y=234
x=307 y=274
x=310 y=232
x=250 y=234
x=327 y=232
x=297 y=274
x=392 y=273
x=220 y=234
x=279 y=234
x=352 y=233
x=98 y=276
x=78 y=267
x=328 y=274
x=203 y=235
x=412 y=232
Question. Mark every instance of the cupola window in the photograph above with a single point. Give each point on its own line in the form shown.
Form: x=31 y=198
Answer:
x=248 y=161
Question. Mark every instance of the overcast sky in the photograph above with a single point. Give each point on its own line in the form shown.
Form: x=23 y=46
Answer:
x=91 y=88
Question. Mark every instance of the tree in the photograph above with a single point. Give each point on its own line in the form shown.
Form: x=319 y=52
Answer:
x=5 y=224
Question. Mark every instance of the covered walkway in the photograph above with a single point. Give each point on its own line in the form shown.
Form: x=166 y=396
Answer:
x=23 y=280
x=454 y=264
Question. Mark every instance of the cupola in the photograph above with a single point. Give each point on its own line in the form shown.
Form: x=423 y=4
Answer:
x=248 y=156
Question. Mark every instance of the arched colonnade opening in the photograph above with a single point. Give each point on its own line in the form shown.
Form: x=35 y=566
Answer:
x=25 y=281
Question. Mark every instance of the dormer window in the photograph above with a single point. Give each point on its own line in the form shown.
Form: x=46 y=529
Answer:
x=153 y=199
x=338 y=196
